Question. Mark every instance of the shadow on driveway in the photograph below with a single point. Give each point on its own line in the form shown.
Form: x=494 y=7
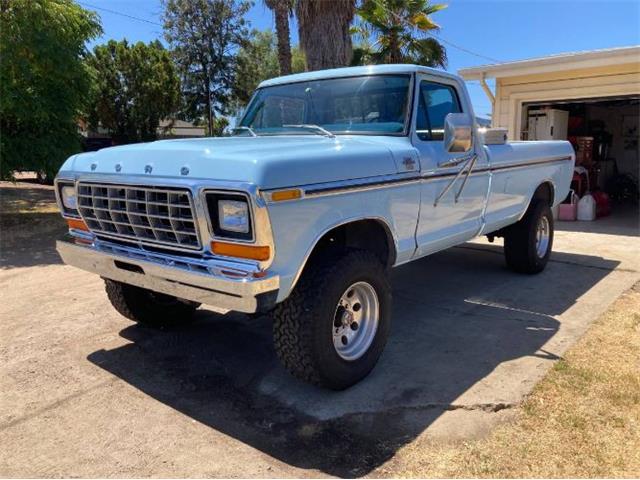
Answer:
x=29 y=225
x=458 y=315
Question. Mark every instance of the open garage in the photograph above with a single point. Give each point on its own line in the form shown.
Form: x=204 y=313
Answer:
x=591 y=99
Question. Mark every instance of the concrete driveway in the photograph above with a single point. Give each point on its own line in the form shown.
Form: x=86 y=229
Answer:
x=87 y=393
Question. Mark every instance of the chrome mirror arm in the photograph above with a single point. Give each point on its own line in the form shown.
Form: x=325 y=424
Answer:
x=469 y=161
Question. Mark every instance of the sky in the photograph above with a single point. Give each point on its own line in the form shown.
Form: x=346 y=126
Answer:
x=475 y=32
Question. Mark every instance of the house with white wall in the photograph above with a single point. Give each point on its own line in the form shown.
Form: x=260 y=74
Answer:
x=589 y=98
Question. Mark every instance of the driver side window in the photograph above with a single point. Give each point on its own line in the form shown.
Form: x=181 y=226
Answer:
x=435 y=102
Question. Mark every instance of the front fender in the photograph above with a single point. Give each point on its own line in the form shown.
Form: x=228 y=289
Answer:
x=298 y=225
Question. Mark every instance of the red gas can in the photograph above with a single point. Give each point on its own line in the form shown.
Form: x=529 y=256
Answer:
x=603 y=203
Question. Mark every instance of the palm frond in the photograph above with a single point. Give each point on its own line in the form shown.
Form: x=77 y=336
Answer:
x=422 y=22
x=401 y=31
x=429 y=52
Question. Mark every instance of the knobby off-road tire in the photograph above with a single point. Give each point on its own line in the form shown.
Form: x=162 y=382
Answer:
x=148 y=307
x=528 y=243
x=306 y=324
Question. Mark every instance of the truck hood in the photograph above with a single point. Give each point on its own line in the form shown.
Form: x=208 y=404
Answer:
x=268 y=162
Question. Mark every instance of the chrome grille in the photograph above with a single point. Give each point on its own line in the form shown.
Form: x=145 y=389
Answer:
x=154 y=216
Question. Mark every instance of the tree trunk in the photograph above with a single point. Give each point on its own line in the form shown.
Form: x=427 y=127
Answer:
x=323 y=28
x=284 y=43
x=395 y=54
x=209 y=109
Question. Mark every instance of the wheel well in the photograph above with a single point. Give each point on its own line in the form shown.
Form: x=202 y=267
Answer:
x=545 y=192
x=371 y=235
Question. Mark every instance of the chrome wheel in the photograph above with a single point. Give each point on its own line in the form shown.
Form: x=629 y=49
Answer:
x=543 y=233
x=355 y=321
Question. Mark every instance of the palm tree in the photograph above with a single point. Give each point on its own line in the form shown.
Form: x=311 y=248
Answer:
x=282 y=9
x=401 y=29
x=323 y=28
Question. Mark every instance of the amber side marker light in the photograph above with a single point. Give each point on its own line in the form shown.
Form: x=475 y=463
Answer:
x=77 y=224
x=241 y=251
x=282 y=195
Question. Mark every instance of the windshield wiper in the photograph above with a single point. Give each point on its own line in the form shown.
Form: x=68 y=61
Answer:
x=246 y=129
x=316 y=128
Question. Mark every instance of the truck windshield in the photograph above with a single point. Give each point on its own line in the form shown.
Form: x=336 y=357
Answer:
x=366 y=105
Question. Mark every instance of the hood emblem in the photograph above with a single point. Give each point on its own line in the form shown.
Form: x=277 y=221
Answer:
x=94 y=166
x=148 y=168
x=118 y=167
x=184 y=171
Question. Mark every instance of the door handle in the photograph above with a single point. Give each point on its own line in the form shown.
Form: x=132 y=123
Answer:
x=453 y=162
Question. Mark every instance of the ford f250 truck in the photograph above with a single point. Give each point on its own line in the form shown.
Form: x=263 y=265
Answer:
x=330 y=179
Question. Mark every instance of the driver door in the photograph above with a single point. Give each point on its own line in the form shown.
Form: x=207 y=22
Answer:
x=450 y=212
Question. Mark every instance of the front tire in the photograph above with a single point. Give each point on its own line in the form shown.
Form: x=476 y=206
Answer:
x=333 y=327
x=528 y=243
x=148 y=307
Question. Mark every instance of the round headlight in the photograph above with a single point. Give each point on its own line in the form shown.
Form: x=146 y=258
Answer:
x=68 y=195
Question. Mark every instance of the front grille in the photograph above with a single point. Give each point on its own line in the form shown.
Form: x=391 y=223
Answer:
x=153 y=216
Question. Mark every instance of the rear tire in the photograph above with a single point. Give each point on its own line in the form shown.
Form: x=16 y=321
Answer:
x=334 y=325
x=528 y=243
x=147 y=307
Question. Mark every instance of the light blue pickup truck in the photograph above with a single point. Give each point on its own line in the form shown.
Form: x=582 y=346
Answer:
x=330 y=179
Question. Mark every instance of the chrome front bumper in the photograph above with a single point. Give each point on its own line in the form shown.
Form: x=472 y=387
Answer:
x=223 y=284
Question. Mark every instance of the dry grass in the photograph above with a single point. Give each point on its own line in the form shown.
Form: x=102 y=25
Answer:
x=582 y=420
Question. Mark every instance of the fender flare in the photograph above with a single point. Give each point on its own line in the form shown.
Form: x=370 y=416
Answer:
x=552 y=187
x=391 y=241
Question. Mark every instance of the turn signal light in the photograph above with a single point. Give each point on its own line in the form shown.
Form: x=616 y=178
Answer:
x=281 y=195
x=77 y=224
x=241 y=251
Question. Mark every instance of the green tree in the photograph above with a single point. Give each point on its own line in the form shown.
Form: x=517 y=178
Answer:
x=258 y=61
x=323 y=28
x=205 y=36
x=43 y=82
x=400 y=29
x=219 y=126
x=282 y=10
x=136 y=87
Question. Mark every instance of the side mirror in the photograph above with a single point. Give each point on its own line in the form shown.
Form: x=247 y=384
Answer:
x=458 y=133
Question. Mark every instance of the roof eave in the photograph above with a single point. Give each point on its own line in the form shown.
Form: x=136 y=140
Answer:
x=554 y=63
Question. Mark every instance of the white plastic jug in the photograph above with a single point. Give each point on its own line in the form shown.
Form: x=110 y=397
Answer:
x=587 y=208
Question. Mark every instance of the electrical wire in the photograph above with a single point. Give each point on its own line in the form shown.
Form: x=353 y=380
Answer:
x=119 y=13
x=439 y=37
x=466 y=50
x=444 y=40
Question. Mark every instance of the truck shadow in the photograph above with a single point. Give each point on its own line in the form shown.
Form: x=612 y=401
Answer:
x=458 y=315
